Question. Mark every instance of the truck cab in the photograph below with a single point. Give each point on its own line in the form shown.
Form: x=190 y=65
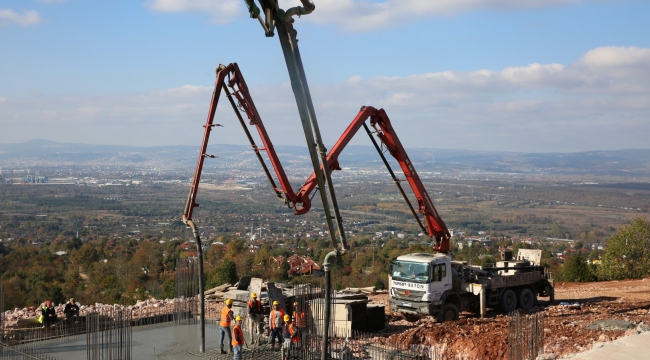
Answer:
x=418 y=283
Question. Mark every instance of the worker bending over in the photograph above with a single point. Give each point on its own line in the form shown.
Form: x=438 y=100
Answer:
x=224 y=323
x=237 y=339
x=275 y=323
x=291 y=337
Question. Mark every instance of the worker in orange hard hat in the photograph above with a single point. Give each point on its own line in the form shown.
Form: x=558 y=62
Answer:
x=291 y=337
x=237 y=339
x=224 y=323
x=275 y=323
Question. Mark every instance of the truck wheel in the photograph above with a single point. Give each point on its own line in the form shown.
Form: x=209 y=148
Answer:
x=526 y=298
x=449 y=313
x=508 y=300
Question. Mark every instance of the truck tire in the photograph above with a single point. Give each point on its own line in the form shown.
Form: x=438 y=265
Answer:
x=508 y=300
x=525 y=298
x=449 y=313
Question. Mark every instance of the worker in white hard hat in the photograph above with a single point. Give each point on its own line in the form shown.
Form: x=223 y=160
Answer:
x=224 y=325
x=275 y=323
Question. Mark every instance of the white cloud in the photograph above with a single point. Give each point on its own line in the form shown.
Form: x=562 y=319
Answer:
x=53 y=1
x=357 y=15
x=361 y=15
x=222 y=11
x=28 y=18
x=600 y=101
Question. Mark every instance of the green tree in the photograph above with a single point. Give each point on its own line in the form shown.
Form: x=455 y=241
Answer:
x=576 y=269
x=222 y=274
x=627 y=254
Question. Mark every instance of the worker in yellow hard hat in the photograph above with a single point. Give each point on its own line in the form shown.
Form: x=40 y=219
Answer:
x=254 y=305
x=237 y=339
x=224 y=323
x=275 y=323
x=291 y=337
x=300 y=320
x=255 y=313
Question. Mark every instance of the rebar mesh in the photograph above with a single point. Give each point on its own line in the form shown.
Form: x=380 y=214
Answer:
x=109 y=334
x=525 y=335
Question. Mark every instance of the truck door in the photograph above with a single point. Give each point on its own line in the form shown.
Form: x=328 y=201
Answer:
x=440 y=279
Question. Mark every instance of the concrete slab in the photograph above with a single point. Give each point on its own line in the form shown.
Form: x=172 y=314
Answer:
x=635 y=347
x=162 y=342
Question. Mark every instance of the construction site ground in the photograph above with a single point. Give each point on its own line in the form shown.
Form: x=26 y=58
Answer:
x=565 y=326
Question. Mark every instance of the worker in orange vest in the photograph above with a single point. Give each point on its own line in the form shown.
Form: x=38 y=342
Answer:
x=224 y=323
x=300 y=321
x=237 y=339
x=291 y=337
x=275 y=323
x=255 y=313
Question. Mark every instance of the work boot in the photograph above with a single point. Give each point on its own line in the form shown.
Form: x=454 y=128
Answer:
x=231 y=350
x=222 y=350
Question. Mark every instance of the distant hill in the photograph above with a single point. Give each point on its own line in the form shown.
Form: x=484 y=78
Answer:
x=45 y=153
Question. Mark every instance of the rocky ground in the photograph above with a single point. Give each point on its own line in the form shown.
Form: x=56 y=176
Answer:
x=566 y=322
x=566 y=327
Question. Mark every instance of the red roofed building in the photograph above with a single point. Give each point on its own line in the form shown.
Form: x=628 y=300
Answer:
x=302 y=265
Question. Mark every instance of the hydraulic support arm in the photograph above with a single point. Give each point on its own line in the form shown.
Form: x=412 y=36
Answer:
x=435 y=227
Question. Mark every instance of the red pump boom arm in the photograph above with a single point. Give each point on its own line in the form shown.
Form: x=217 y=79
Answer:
x=230 y=79
x=435 y=227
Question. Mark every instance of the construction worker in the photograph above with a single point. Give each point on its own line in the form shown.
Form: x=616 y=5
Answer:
x=300 y=321
x=71 y=309
x=254 y=305
x=255 y=312
x=275 y=323
x=224 y=323
x=237 y=339
x=48 y=314
x=291 y=337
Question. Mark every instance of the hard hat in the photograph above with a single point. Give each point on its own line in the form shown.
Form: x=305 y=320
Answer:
x=295 y=304
x=48 y=303
x=276 y=302
x=253 y=295
x=238 y=318
x=287 y=318
x=228 y=301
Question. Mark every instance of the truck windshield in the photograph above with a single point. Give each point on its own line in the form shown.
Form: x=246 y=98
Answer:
x=411 y=271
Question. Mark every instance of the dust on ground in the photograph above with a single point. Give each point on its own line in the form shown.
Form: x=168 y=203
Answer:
x=564 y=326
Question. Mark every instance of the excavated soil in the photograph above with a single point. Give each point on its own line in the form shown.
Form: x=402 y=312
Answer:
x=577 y=306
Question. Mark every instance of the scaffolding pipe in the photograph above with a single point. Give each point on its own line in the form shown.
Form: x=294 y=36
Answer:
x=328 y=302
x=197 y=237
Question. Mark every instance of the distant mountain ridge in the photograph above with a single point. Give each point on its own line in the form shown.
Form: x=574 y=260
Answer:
x=46 y=153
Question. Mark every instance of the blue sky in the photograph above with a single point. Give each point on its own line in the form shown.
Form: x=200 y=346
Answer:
x=514 y=75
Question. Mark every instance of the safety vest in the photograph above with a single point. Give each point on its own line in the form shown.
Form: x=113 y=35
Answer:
x=40 y=317
x=276 y=318
x=225 y=317
x=254 y=306
x=299 y=318
x=289 y=331
x=237 y=336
